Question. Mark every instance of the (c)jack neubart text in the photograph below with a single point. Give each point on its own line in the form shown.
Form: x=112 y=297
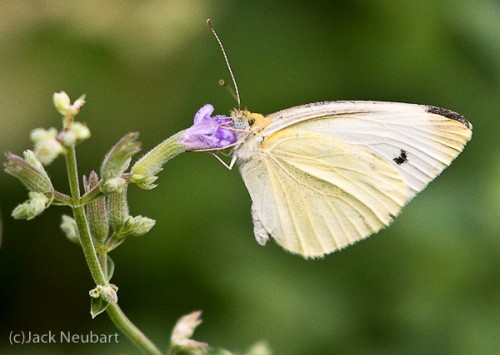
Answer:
x=62 y=337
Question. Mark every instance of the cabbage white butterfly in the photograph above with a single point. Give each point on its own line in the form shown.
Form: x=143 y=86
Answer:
x=325 y=175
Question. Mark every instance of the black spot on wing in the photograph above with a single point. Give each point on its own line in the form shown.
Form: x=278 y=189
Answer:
x=449 y=114
x=403 y=158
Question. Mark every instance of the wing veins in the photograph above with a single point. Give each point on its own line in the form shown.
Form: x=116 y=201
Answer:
x=339 y=170
x=355 y=198
x=276 y=199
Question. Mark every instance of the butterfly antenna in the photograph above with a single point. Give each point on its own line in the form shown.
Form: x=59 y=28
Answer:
x=209 y=24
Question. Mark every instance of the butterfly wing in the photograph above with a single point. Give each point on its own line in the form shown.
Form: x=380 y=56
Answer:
x=329 y=174
x=419 y=141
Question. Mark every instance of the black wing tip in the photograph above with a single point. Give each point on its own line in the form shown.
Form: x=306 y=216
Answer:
x=449 y=114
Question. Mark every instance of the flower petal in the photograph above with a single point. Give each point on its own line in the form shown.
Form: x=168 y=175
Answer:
x=209 y=132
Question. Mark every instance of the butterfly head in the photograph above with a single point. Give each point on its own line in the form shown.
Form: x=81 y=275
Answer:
x=246 y=120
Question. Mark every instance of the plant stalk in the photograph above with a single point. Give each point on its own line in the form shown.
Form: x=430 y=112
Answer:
x=81 y=220
x=130 y=330
x=115 y=313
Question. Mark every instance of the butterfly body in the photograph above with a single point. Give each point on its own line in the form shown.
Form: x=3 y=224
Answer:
x=326 y=175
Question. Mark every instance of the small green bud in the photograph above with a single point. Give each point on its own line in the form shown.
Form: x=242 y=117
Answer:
x=31 y=208
x=145 y=169
x=48 y=151
x=117 y=160
x=40 y=134
x=77 y=133
x=183 y=331
x=136 y=226
x=144 y=182
x=96 y=211
x=29 y=171
x=117 y=206
x=107 y=292
x=116 y=184
x=80 y=131
x=67 y=138
x=70 y=229
x=63 y=104
x=47 y=147
x=101 y=297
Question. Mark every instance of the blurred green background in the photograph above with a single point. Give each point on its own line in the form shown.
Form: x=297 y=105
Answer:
x=428 y=284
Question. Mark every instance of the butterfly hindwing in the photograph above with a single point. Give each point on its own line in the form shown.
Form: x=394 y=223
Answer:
x=315 y=194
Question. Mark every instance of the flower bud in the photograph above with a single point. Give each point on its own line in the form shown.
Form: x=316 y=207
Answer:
x=63 y=104
x=76 y=133
x=40 y=134
x=48 y=151
x=47 y=147
x=182 y=333
x=113 y=185
x=117 y=160
x=135 y=226
x=77 y=105
x=29 y=171
x=31 y=208
x=101 y=297
x=106 y=292
x=80 y=131
x=117 y=206
x=67 y=138
x=96 y=211
x=70 y=229
x=144 y=182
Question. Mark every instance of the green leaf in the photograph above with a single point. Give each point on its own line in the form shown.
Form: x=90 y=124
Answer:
x=97 y=306
x=110 y=267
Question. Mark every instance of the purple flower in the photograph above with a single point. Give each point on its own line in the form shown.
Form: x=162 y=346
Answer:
x=209 y=132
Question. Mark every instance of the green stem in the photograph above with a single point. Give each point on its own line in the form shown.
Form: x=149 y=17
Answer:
x=62 y=199
x=115 y=313
x=102 y=256
x=81 y=220
x=130 y=330
x=88 y=247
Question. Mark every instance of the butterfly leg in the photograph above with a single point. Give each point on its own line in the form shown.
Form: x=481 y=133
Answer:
x=227 y=166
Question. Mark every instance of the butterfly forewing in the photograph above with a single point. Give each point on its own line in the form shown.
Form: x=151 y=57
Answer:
x=415 y=139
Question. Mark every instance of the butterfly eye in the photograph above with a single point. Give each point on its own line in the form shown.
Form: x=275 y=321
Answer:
x=240 y=119
x=240 y=122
